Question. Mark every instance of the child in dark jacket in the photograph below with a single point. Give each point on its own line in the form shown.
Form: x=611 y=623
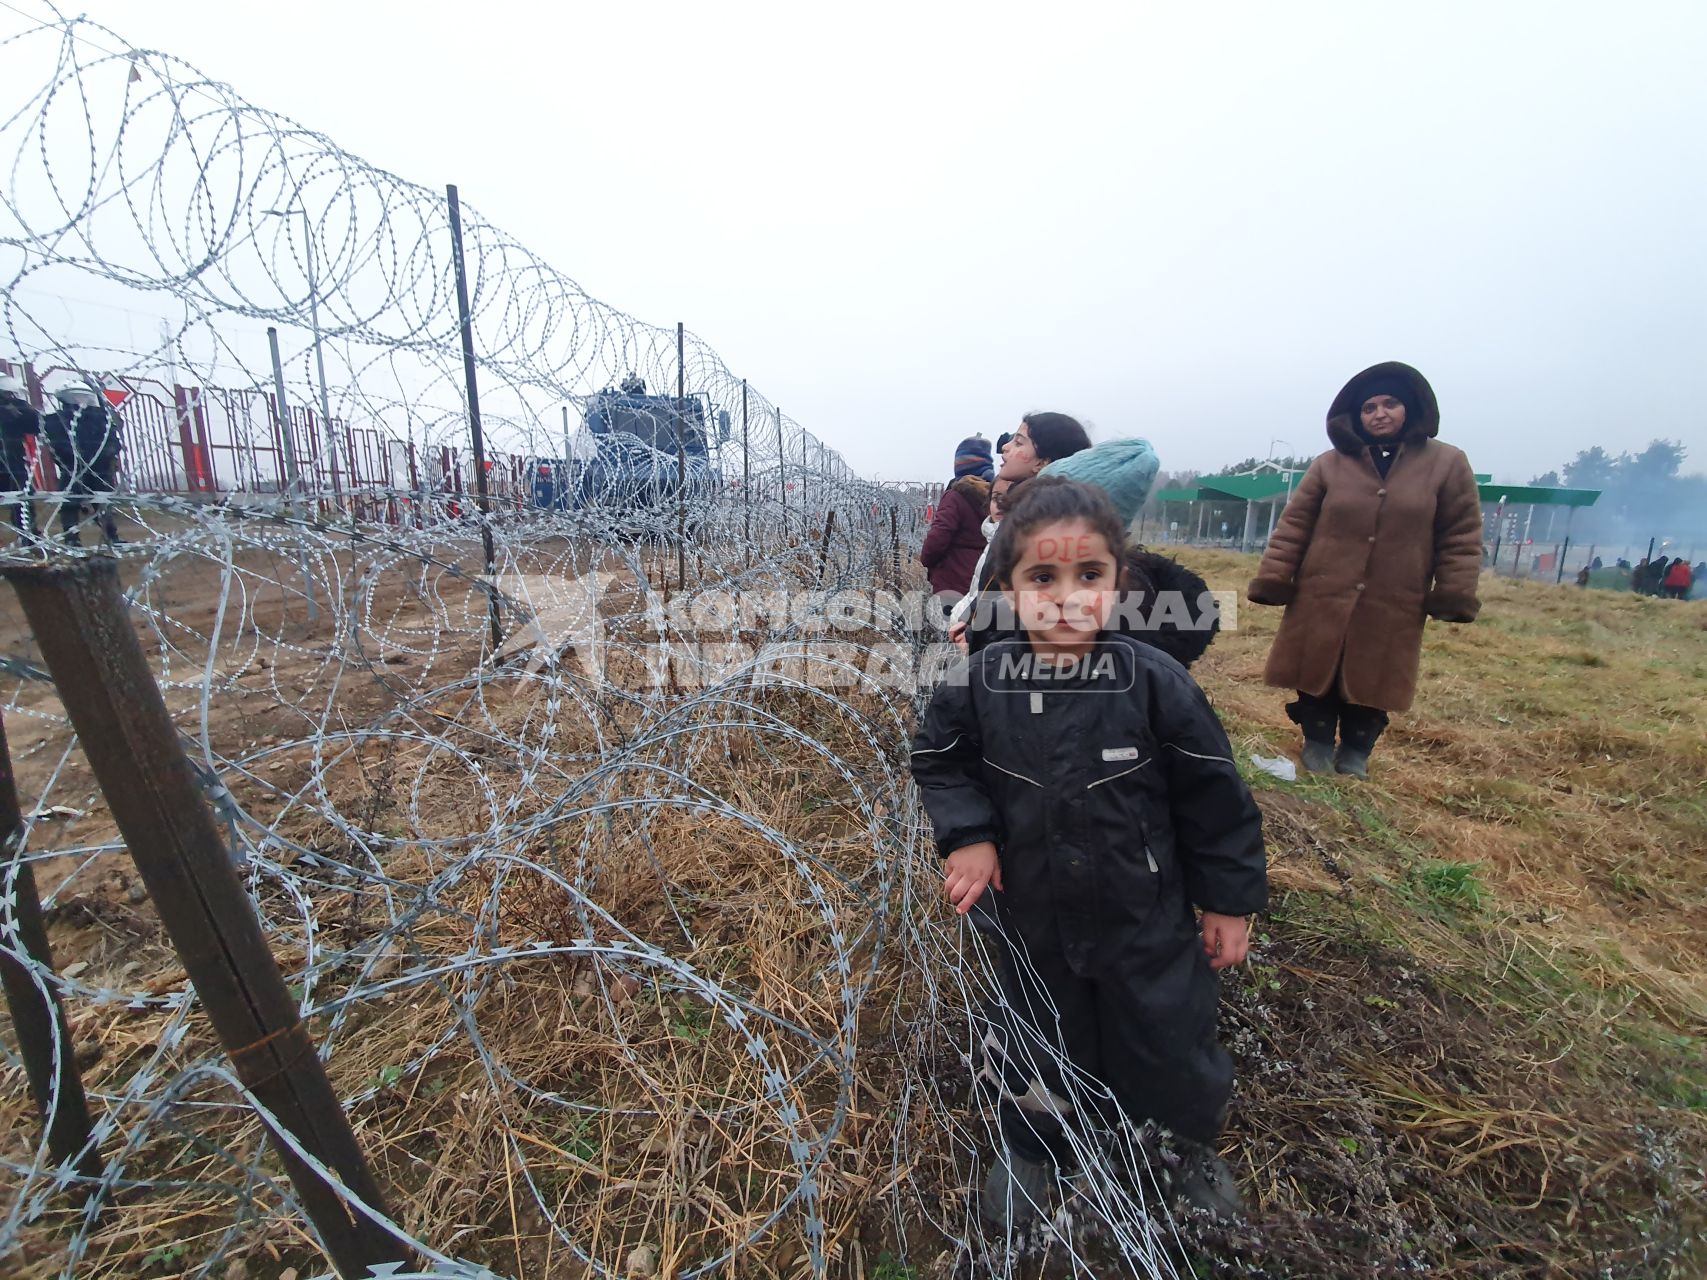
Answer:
x=1085 y=800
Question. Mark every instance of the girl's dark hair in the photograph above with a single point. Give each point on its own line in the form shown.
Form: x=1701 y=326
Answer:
x=1055 y=436
x=1047 y=500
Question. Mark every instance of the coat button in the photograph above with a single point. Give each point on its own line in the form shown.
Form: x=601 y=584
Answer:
x=1380 y=493
x=1372 y=537
x=1360 y=586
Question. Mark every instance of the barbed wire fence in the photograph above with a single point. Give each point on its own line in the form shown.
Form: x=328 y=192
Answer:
x=622 y=950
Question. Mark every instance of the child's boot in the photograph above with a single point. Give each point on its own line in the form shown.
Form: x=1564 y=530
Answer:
x=1205 y=1182
x=1016 y=1191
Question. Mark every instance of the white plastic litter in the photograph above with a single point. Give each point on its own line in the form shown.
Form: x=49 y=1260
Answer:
x=1280 y=767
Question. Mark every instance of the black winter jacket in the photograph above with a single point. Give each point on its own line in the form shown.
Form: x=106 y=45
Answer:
x=17 y=420
x=91 y=438
x=1112 y=797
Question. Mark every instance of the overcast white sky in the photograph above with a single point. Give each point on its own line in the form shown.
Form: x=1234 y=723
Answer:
x=1191 y=222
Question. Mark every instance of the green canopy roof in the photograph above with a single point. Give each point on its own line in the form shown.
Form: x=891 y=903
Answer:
x=1257 y=488
x=1539 y=495
x=1266 y=486
x=1262 y=486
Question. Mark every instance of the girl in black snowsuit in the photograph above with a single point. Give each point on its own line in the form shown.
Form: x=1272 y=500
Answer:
x=1081 y=776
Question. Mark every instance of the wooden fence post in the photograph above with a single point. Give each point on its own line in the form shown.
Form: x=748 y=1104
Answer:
x=83 y=626
x=37 y=1017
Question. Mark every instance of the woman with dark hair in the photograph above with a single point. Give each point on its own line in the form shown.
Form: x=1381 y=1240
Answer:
x=1042 y=438
x=1383 y=533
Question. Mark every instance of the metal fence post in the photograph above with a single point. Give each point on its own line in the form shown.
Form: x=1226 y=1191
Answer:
x=83 y=625
x=681 y=466
x=895 y=548
x=824 y=547
x=467 y=325
x=566 y=473
x=293 y=477
x=746 y=481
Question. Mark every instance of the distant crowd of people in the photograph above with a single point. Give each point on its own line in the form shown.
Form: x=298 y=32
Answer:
x=1668 y=579
x=85 y=437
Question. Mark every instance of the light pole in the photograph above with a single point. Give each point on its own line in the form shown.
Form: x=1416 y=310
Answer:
x=1274 y=510
x=319 y=355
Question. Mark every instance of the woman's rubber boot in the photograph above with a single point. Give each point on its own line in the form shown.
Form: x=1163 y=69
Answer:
x=1318 y=724
x=1205 y=1182
x=1359 y=728
x=1016 y=1191
x=1318 y=757
x=1352 y=762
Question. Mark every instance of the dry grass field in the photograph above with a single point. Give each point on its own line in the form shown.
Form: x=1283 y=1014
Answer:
x=1476 y=1038
x=1472 y=1039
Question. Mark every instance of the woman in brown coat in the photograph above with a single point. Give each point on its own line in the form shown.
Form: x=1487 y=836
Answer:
x=1384 y=532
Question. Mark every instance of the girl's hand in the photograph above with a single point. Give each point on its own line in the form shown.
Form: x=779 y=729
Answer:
x=967 y=870
x=957 y=634
x=1226 y=939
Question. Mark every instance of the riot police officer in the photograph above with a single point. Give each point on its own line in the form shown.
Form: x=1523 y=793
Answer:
x=84 y=437
x=18 y=421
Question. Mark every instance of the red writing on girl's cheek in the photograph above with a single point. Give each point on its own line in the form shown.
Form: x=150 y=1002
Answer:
x=1063 y=549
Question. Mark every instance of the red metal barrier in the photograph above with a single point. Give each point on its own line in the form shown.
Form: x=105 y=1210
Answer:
x=217 y=440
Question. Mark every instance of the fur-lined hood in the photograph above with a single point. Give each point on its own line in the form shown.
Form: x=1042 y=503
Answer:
x=976 y=490
x=1424 y=425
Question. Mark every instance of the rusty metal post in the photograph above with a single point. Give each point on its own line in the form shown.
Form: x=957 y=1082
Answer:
x=83 y=626
x=38 y=1018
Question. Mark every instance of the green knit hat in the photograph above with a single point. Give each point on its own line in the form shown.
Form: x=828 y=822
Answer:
x=1123 y=469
